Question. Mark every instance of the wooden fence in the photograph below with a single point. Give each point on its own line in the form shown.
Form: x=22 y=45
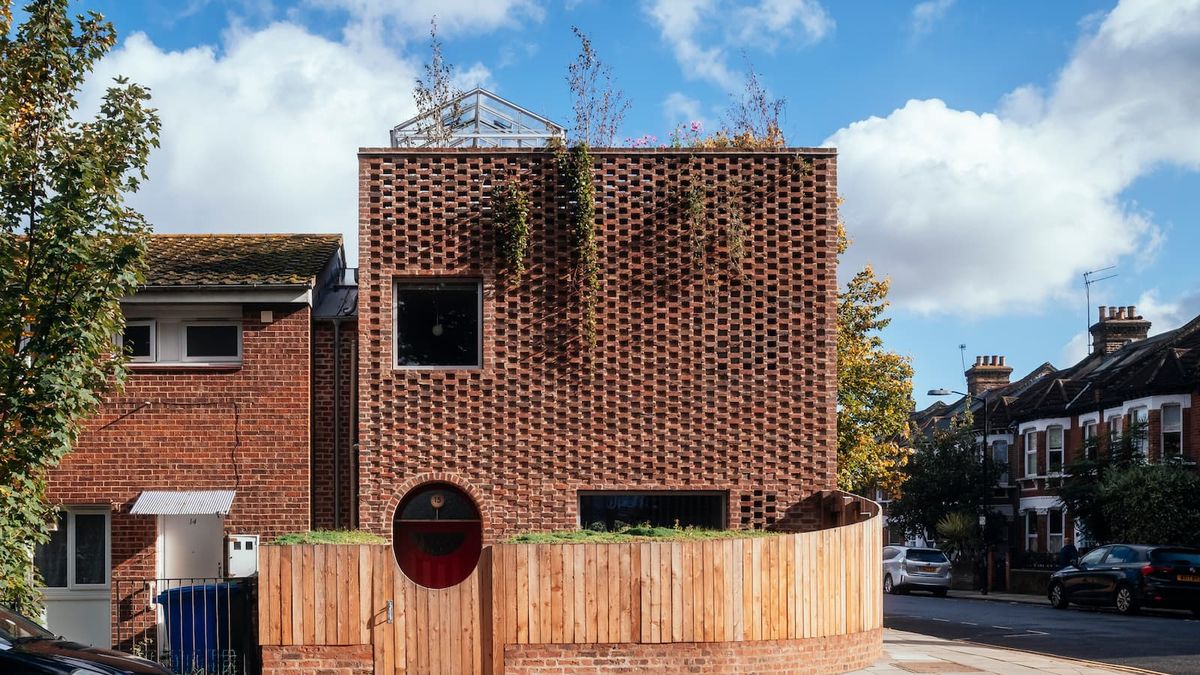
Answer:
x=788 y=586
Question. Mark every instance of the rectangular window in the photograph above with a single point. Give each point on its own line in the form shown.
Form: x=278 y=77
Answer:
x=704 y=510
x=1031 y=463
x=1172 y=431
x=138 y=341
x=1031 y=533
x=1138 y=423
x=1114 y=432
x=212 y=342
x=1000 y=459
x=1054 y=530
x=438 y=324
x=1090 y=432
x=1054 y=449
x=77 y=554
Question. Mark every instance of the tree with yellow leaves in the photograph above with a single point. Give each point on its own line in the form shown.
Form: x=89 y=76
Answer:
x=874 y=388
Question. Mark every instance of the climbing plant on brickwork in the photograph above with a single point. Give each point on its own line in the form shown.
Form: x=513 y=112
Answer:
x=510 y=206
x=69 y=250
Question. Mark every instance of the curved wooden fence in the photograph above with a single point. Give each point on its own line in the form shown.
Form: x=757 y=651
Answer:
x=782 y=587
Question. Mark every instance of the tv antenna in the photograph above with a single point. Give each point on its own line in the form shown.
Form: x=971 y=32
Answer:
x=1089 y=278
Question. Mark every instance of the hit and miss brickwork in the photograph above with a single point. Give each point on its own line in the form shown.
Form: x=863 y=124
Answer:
x=240 y=427
x=324 y=475
x=705 y=374
x=812 y=656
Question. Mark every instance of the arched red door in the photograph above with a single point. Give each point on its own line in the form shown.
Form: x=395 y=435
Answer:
x=437 y=535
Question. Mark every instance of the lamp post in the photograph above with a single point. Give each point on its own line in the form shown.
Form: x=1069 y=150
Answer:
x=987 y=461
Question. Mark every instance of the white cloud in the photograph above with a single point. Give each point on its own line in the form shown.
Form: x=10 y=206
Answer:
x=926 y=14
x=701 y=33
x=981 y=213
x=261 y=134
x=679 y=108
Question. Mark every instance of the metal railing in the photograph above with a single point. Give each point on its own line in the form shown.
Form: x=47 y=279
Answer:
x=194 y=626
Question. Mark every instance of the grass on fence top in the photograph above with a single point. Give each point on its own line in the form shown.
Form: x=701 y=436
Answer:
x=329 y=537
x=631 y=534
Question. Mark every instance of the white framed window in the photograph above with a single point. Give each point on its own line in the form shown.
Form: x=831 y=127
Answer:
x=1172 y=430
x=1090 y=431
x=1054 y=449
x=212 y=341
x=1031 y=463
x=77 y=556
x=139 y=340
x=1000 y=459
x=1114 y=431
x=1055 y=526
x=438 y=323
x=1138 y=421
x=1031 y=530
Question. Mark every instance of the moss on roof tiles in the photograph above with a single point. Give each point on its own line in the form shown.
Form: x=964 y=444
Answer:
x=238 y=259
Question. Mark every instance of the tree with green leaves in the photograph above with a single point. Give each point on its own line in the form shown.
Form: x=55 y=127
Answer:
x=70 y=248
x=945 y=475
x=874 y=396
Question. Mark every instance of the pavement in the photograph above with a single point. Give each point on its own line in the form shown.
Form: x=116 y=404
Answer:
x=906 y=652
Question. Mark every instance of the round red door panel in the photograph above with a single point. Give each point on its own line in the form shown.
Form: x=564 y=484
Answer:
x=437 y=535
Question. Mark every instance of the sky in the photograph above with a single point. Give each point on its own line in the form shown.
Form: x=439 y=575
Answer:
x=989 y=154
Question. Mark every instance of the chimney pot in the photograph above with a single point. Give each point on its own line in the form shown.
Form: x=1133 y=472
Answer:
x=1112 y=312
x=978 y=360
x=1001 y=360
x=1103 y=309
x=1130 y=312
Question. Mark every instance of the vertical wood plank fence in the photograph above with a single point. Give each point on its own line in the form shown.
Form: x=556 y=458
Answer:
x=783 y=587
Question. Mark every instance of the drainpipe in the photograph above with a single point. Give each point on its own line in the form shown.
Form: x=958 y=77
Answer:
x=337 y=423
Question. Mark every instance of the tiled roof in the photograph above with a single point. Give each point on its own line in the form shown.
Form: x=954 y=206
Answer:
x=238 y=259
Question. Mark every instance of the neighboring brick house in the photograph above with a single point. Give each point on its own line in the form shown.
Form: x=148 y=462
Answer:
x=213 y=433
x=1044 y=421
x=708 y=398
x=1128 y=381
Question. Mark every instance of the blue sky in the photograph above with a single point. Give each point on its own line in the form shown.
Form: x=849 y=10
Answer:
x=989 y=153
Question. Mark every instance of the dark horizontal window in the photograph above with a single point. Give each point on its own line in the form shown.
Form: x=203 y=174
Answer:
x=661 y=509
x=438 y=324
x=213 y=341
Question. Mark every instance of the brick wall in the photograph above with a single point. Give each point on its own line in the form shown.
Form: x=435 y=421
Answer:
x=340 y=660
x=702 y=377
x=834 y=654
x=323 y=492
x=245 y=428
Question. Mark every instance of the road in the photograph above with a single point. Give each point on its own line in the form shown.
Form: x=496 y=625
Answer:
x=1167 y=642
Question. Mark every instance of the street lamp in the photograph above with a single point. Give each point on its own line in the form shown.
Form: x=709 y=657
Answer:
x=986 y=461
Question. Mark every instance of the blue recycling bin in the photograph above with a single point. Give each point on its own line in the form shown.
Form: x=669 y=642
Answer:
x=206 y=627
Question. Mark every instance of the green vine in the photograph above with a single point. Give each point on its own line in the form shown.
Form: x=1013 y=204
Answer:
x=510 y=203
x=735 y=228
x=577 y=167
x=693 y=201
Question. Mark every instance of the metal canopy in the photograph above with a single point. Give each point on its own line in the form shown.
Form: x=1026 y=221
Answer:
x=479 y=119
x=190 y=503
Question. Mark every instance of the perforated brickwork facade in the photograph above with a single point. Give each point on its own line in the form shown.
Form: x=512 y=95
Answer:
x=708 y=373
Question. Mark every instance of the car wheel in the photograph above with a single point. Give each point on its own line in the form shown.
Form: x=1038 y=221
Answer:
x=888 y=586
x=940 y=592
x=1124 y=600
x=1058 y=596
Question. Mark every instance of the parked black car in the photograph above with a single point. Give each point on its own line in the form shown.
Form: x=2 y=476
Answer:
x=1128 y=577
x=28 y=649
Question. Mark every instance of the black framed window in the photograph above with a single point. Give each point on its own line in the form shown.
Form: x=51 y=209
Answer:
x=704 y=510
x=438 y=324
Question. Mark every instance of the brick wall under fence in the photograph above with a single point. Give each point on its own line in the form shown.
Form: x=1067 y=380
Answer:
x=770 y=603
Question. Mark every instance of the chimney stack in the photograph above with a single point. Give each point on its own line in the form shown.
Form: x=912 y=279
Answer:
x=1117 y=327
x=989 y=372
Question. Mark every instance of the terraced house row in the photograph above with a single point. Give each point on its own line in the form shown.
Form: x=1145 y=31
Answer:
x=1130 y=381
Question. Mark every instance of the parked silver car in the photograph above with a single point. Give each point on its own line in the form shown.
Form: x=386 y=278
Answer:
x=907 y=568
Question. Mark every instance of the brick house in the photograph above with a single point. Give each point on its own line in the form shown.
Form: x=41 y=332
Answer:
x=1044 y=421
x=217 y=431
x=707 y=399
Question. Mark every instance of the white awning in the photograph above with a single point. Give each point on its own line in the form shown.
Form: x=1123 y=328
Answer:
x=191 y=502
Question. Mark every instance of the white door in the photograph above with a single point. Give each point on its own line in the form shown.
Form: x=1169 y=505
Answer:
x=190 y=547
x=75 y=567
